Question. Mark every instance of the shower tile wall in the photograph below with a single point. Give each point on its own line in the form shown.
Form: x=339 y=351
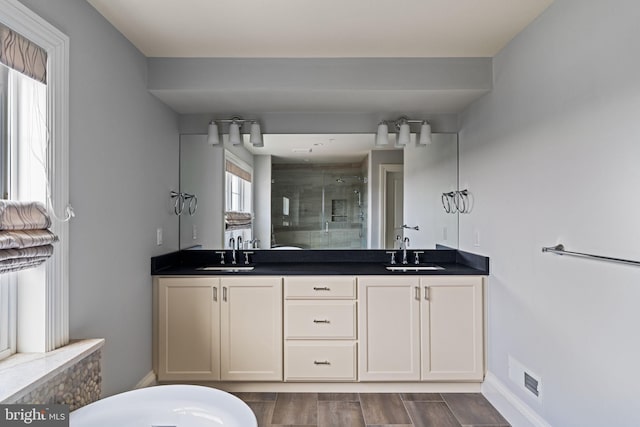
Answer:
x=327 y=206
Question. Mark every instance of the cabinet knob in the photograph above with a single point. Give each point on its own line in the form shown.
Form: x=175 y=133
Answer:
x=321 y=362
x=321 y=288
x=321 y=321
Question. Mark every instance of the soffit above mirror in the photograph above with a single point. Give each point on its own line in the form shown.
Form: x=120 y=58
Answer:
x=247 y=86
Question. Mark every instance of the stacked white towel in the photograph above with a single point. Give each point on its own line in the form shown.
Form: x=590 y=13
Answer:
x=25 y=240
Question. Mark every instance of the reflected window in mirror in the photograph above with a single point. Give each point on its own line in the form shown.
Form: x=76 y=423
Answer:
x=238 y=221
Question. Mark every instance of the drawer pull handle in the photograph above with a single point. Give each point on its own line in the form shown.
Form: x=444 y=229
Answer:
x=321 y=321
x=321 y=288
x=321 y=362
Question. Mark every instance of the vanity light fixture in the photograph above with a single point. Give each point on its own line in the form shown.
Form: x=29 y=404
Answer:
x=403 y=132
x=382 y=137
x=425 y=133
x=213 y=138
x=235 y=131
x=255 y=137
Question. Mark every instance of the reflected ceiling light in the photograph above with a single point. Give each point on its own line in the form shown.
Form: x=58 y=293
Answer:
x=213 y=138
x=403 y=132
x=235 y=131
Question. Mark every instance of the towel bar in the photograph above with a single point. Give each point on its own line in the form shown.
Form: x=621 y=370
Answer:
x=559 y=249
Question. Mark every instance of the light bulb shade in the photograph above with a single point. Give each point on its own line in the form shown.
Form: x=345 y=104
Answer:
x=425 y=134
x=213 y=138
x=234 y=133
x=255 y=137
x=382 y=137
x=404 y=135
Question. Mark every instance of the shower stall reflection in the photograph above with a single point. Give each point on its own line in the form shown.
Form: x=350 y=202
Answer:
x=319 y=206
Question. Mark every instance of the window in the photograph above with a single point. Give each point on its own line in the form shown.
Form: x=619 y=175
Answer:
x=24 y=152
x=238 y=187
x=238 y=200
x=8 y=303
x=34 y=153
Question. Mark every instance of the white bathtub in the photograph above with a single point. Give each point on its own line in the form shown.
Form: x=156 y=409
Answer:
x=166 y=405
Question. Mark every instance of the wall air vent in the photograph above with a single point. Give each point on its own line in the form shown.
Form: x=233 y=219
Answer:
x=526 y=379
x=531 y=384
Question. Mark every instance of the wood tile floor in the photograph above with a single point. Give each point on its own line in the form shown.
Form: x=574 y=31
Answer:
x=373 y=410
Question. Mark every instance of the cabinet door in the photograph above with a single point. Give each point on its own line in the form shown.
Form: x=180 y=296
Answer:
x=251 y=329
x=389 y=333
x=188 y=329
x=452 y=328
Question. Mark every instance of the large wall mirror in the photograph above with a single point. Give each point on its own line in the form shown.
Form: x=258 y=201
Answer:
x=320 y=191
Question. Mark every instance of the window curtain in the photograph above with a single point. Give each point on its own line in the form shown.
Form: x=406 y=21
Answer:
x=237 y=220
x=25 y=241
x=237 y=171
x=22 y=55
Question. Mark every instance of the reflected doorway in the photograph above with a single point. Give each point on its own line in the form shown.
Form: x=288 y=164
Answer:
x=392 y=199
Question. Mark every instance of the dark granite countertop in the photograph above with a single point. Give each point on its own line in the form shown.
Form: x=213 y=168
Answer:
x=319 y=262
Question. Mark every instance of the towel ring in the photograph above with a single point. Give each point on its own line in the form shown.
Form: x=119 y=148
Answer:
x=456 y=202
x=193 y=204
x=178 y=206
x=445 y=199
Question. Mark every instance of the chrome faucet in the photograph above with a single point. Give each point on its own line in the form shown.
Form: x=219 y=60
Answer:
x=405 y=244
x=239 y=242
x=232 y=245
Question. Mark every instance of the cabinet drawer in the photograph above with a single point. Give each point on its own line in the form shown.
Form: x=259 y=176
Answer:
x=320 y=287
x=323 y=361
x=320 y=319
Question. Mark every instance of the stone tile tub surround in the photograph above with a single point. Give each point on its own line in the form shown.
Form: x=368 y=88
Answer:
x=370 y=261
x=70 y=375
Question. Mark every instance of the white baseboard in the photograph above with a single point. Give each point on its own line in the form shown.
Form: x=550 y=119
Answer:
x=147 y=381
x=517 y=412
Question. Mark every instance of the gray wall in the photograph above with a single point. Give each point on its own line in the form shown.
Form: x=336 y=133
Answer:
x=123 y=163
x=262 y=199
x=551 y=156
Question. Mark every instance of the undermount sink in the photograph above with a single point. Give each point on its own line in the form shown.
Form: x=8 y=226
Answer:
x=227 y=268
x=410 y=267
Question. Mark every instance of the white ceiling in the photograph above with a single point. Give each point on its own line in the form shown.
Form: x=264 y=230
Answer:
x=320 y=28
